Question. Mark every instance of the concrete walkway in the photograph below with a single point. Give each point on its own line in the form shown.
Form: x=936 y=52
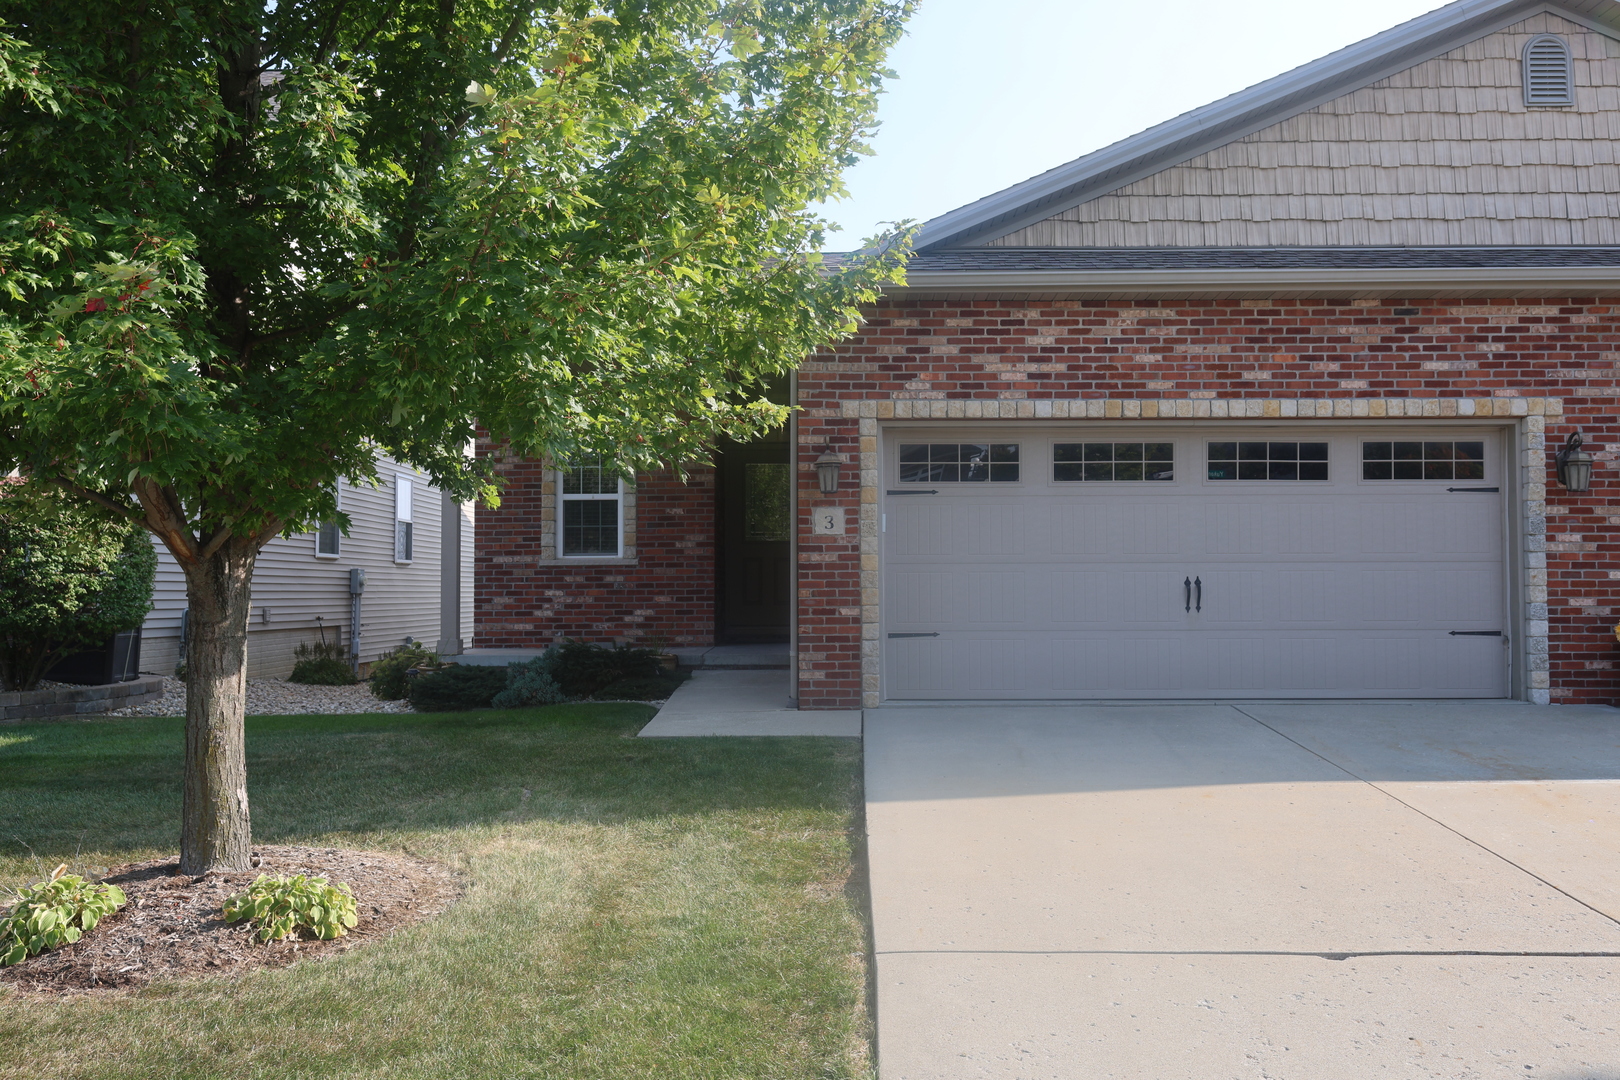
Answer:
x=1267 y=891
x=744 y=702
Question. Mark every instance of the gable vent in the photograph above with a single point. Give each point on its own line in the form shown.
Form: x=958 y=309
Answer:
x=1549 y=74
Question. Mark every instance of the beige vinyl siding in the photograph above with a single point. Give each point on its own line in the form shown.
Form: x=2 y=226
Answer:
x=1444 y=153
x=296 y=587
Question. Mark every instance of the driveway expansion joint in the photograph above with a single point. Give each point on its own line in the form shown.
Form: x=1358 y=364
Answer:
x=1517 y=954
x=1449 y=828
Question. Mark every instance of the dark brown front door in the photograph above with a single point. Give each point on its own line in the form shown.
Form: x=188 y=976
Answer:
x=755 y=584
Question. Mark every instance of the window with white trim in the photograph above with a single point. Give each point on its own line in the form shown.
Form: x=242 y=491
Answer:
x=1549 y=72
x=591 y=517
x=329 y=537
x=403 y=499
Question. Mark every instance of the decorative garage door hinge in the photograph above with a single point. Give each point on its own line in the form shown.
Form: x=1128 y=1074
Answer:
x=1476 y=633
x=934 y=634
x=1473 y=489
x=926 y=491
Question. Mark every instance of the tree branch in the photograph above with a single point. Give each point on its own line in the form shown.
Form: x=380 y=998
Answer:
x=365 y=42
x=268 y=533
x=330 y=36
x=520 y=18
x=121 y=509
x=165 y=521
x=221 y=537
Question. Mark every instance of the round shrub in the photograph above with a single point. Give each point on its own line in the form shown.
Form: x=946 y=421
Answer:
x=582 y=669
x=531 y=684
x=388 y=674
x=71 y=576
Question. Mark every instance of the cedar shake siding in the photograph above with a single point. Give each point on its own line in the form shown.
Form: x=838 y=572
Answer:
x=1443 y=153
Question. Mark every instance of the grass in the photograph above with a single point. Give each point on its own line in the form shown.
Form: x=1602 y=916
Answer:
x=664 y=908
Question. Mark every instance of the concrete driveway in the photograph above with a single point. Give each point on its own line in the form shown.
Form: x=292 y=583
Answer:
x=1257 y=891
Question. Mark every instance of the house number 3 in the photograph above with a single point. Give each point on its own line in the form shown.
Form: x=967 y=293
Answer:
x=827 y=521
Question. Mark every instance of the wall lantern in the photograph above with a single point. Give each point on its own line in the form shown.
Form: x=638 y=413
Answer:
x=1574 y=465
x=827 y=466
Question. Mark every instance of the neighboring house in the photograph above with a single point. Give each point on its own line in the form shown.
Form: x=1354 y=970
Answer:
x=415 y=545
x=1261 y=402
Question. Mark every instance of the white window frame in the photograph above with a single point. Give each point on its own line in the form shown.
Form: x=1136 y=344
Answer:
x=616 y=496
x=404 y=512
x=337 y=495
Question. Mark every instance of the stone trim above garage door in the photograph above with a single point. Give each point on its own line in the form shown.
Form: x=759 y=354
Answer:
x=1530 y=413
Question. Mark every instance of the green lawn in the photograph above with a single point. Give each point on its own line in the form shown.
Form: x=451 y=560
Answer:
x=640 y=908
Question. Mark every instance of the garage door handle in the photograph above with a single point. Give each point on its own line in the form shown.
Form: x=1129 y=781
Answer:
x=934 y=634
x=1186 y=584
x=1198 y=584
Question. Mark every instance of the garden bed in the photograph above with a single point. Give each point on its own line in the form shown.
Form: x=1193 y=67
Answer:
x=172 y=927
x=67 y=701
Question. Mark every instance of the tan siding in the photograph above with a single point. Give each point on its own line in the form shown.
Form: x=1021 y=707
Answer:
x=1443 y=153
x=296 y=587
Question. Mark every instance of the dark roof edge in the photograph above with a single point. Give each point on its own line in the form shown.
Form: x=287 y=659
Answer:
x=1248 y=111
x=1385 y=281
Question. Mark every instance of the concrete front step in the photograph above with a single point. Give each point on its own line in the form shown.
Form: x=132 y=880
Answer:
x=724 y=657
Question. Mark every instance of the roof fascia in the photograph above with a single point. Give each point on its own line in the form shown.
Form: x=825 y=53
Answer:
x=1496 y=281
x=1242 y=114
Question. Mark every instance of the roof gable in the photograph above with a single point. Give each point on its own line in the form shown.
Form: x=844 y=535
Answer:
x=1270 y=105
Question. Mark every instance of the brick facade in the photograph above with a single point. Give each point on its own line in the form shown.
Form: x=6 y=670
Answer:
x=1553 y=363
x=968 y=359
x=525 y=597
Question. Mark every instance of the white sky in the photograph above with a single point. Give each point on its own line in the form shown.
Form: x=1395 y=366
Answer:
x=991 y=92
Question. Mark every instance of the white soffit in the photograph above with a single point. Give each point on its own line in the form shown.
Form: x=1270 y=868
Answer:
x=1246 y=112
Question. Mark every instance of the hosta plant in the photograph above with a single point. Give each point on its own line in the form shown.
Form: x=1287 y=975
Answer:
x=279 y=907
x=54 y=912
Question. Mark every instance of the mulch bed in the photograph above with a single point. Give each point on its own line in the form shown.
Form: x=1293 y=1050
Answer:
x=172 y=926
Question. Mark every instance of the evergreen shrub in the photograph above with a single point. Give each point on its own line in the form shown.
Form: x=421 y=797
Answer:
x=456 y=689
x=582 y=669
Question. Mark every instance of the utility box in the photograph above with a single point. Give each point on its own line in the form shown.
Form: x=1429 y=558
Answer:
x=117 y=660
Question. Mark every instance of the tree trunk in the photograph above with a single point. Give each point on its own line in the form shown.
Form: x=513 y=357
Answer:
x=215 y=832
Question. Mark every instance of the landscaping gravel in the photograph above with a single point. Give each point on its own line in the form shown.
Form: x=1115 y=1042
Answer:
x=277 y=697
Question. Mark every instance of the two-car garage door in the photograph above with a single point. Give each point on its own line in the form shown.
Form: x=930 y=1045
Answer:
x=1194 y=562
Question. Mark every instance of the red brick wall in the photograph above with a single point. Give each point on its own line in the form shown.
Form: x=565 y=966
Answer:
x=524 y=598
x=1029 y=350
x=829 y=585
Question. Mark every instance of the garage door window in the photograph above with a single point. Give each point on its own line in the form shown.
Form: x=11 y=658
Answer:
x=1113 y=461
x=949 y=463
x=1423 y=461
x=1268 y=461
